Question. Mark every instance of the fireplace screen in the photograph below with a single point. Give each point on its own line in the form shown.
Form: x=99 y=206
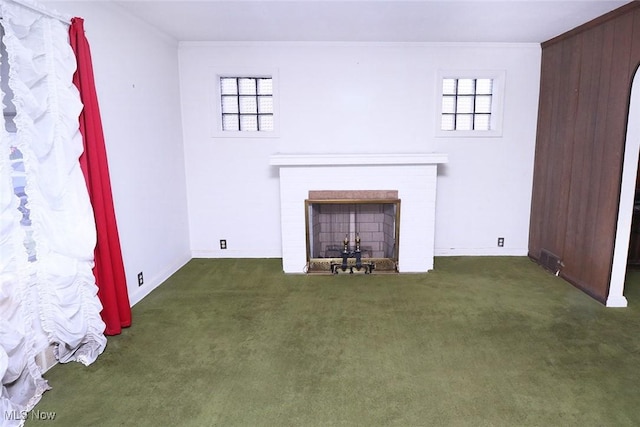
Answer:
x=364 y=231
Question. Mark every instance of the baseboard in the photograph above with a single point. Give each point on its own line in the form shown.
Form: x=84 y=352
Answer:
x=231 y=253
x=480 y=252
x=617 y=301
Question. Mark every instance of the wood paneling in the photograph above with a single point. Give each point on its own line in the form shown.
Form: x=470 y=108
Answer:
x=584 y=100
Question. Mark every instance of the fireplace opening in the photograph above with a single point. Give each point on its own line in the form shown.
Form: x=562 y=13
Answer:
x=352 y=231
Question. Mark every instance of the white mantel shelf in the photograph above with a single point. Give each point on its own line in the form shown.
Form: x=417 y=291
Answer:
x=341 y=159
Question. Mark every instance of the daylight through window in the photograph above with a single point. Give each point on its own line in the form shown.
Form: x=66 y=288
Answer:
x=247 y=103
x=466 y=104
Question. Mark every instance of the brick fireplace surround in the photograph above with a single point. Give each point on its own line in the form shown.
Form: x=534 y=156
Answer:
x=413 y=175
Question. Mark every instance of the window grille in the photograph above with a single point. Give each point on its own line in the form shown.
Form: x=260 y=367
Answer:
x=246 y=103
x=466 y=104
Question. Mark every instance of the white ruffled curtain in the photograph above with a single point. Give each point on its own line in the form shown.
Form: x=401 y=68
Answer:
x=48 y=293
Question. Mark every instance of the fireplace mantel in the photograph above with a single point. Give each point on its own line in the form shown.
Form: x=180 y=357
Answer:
x=412 y=175
x=357 y=159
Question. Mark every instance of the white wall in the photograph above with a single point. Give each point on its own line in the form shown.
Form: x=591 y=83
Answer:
x=136 y=72
x=358 y=98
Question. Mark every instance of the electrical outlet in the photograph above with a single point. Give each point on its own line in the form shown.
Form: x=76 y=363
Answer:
x=223 y=244
x=140 y=279
x=500 y=242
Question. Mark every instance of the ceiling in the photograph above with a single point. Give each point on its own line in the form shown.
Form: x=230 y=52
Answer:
x=367 y=20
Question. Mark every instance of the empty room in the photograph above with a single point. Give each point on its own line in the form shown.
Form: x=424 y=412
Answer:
x=320 y=212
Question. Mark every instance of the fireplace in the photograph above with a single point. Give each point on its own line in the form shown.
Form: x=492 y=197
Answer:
x=352 y=231
x=412 y=176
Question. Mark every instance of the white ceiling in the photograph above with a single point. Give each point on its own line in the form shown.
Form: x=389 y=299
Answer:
x=367 y=20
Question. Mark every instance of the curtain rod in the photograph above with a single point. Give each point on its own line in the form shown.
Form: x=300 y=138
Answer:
x=65 y=19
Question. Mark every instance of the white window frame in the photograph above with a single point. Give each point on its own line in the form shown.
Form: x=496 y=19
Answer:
x=217 y=131
x=497 y=101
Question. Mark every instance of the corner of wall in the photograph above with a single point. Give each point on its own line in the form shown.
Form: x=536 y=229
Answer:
x=157 y=280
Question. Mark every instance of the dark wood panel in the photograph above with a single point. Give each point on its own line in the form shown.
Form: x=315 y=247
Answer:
x=582 y=209
x=594 y=23
x=617 y=114
x=595 y=279
x=585 y=87
x=552 y=167
x=589 y=260
x=565 y=114
x=635 y=42
x=541 y=206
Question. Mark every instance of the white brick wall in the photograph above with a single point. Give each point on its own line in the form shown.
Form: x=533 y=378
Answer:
x=413 y=175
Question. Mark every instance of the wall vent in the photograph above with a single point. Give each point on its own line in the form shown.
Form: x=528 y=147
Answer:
x=550 y=261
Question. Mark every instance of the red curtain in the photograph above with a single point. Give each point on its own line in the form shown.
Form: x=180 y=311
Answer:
x=109 y=268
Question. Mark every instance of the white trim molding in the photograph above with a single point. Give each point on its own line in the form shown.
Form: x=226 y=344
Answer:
x=337 y=159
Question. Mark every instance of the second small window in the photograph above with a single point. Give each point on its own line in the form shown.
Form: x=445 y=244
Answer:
x=466 y=104
x=246 y=103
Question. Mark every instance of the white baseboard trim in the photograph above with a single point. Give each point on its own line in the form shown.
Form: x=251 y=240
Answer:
x=230 y=253
x=617 y=301
x=481 y=252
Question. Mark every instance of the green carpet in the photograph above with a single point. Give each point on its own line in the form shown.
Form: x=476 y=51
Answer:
x=479 y=341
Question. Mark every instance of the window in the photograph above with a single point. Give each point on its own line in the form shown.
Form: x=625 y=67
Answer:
x=246 y=104
x=470 y=104
x=466 y=104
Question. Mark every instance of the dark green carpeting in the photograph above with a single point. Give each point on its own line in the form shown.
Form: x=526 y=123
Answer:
x=476 y=342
